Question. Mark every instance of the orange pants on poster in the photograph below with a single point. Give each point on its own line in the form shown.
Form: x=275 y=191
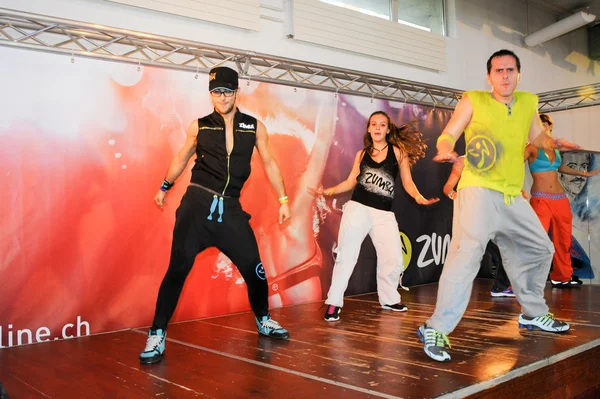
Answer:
x=554 y=211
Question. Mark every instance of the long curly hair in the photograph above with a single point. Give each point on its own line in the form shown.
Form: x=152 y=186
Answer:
x=406 y=137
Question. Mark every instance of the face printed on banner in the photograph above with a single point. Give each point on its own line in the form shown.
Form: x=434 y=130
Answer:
x=504 y=76
x=576 y=160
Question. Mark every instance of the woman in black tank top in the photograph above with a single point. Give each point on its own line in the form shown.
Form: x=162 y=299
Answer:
x=389 y=151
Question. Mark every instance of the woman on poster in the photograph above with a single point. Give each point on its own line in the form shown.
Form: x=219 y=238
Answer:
x=583 y=195
x=388 y=151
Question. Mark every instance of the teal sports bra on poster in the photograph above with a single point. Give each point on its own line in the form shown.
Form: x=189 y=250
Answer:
x=543 y=164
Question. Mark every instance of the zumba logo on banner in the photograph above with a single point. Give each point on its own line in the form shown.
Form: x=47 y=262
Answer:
x=434 y=249
x=439 y=249
x=406 y=249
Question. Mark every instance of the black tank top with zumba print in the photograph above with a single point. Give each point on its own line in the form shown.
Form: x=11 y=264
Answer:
x=375 y=186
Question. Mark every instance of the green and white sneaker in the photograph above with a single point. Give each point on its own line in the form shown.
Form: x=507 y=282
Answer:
x=435 y=343
x=546 y=322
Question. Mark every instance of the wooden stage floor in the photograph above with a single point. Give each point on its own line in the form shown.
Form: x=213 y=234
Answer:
x=369 y=353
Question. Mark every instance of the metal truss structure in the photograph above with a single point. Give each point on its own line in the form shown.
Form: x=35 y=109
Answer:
x=575 y=97
x=79 y=39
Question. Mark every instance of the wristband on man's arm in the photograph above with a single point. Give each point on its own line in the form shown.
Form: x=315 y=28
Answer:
x=446 y=137
x=165 y=186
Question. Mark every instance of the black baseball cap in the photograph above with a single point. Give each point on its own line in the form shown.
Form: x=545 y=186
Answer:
x=222 y=78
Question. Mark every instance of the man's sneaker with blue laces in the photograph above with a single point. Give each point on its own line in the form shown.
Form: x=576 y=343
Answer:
x=269 y=327
x=332 y=313
x=435 y=343
x=546 y=322
x=155 y=347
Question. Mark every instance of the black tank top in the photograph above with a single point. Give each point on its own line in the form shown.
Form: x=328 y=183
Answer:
x=375 y=186
x=213 y=168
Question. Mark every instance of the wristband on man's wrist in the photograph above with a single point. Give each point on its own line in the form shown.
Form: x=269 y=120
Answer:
x=446 y=137
x=165 y=186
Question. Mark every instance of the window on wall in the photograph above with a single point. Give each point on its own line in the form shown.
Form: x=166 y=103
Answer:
x=375 y=8
x=422 y=14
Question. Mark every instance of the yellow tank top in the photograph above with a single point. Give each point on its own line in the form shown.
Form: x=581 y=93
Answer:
x=495 y=142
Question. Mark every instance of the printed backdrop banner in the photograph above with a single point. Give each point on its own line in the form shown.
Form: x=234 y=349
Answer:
x=85 y=146
x=584 y=195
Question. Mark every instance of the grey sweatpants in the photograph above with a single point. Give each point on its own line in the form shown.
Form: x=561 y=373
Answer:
x=480 y=215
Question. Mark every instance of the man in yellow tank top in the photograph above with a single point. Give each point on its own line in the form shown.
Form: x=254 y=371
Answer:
x=497 y=127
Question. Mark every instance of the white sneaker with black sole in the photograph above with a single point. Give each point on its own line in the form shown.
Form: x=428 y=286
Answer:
x=397 y=307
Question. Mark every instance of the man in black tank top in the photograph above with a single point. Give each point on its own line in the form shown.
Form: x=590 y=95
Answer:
x=210 y=213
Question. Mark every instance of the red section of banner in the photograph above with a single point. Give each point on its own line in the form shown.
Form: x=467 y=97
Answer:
x=84 y=239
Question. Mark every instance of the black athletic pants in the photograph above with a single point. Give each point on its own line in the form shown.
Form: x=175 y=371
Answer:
x=193 y=233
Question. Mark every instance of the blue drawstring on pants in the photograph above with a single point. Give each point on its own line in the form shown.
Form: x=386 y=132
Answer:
x=220 y=210
x=216 y=200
